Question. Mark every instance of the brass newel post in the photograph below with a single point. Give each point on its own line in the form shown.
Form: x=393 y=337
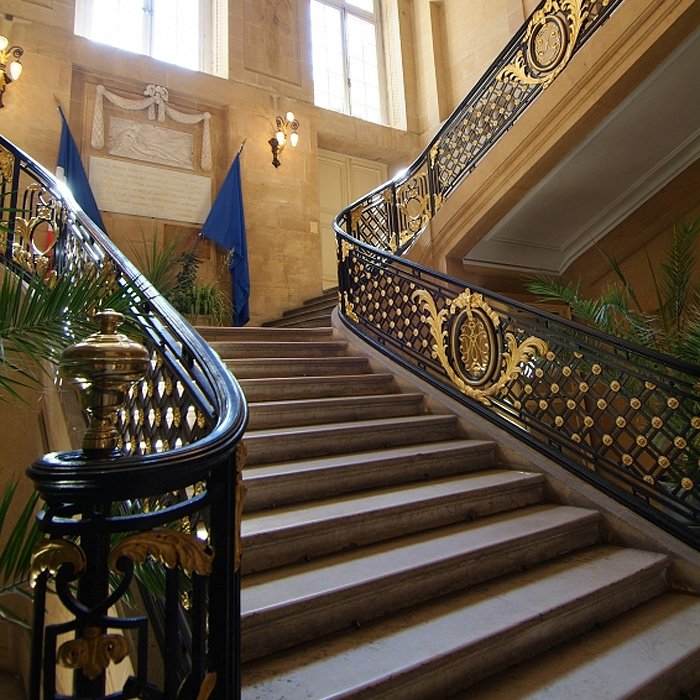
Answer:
x=104 y=366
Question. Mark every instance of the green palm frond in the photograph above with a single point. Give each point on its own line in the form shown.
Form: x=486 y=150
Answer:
x=160 y=264
x=679 y=295
x=15 y=557
x=674 y=329
x=39 y=319
x=611 y=312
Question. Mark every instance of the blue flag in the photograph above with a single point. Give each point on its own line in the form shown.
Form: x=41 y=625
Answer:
x=74 y=174
x=226 y=226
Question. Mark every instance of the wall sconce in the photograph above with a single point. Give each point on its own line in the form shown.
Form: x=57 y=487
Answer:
x=286 y=131
x=10 y=72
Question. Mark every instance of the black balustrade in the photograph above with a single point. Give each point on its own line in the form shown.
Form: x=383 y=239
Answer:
x=625 y=419
x=161 y=509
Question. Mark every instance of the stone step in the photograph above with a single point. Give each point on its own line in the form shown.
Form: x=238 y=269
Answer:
x=287 y=444
x=258 y=333
x=306 y=601
x=310 y=529
x=330 y=293
x=648 y=653
x=256 y=368
x=316 y=319
x=323 y=303
x=244 y=349
x=289 y=388
x=434 y=649
x=323 y=477
x=278 y=414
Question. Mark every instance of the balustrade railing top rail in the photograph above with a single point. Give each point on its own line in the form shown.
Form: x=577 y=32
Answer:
x=179 y=473
x=394 y=214
x=621 y=417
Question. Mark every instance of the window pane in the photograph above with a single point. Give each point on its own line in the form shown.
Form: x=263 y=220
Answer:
x=176 y=32
x=364 y=72
x=118 y=23
x=327 y=58
x=367 y=5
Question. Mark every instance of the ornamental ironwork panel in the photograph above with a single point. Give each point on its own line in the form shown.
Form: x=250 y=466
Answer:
x=623 y=417
x=149 y=500
x=392 y=217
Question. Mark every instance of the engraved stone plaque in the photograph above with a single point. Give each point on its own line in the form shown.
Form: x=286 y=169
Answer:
x=154 y=144
x=142 y=190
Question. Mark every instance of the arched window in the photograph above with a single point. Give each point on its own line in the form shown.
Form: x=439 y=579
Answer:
x=183 y=32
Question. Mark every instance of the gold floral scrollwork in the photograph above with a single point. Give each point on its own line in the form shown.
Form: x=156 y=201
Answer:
x=7 y=164
x=438 y=201
x=548 y=44
x=51 y=555
x=241 y=454
x=350 y=308
x=93 y=652
x=482 y=359
x=355 y=216
x=345 y=249
x=169 y=547
x=434 y=154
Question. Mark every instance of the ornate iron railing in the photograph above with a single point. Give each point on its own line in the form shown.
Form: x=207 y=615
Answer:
x=393 y=215
x=178 y=472
x=621 y=417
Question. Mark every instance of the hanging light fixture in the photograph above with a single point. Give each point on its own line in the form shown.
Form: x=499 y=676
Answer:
x=286 y=132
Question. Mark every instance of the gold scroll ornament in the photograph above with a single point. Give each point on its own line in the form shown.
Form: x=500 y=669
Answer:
x=469 y=330
x=549 y=43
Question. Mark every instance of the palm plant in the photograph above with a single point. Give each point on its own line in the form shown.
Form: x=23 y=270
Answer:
x=160 y=264
x=15 y=555
x=673 y=329
x=39 y=318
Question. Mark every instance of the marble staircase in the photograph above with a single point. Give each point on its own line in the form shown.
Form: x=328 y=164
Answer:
x=387 y=554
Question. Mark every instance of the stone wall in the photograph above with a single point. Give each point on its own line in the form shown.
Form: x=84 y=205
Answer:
x=269 y=74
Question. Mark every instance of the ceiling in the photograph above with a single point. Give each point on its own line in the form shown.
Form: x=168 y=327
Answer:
x=648 y=140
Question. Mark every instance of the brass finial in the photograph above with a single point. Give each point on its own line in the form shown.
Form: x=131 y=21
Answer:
x=104 y=366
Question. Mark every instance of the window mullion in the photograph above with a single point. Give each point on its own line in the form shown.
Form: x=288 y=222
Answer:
x=147 y=27
x=346 y=61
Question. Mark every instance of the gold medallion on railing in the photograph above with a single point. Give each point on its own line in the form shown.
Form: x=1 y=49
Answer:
x=413 y=200
x=549 y=43
x=470 y=345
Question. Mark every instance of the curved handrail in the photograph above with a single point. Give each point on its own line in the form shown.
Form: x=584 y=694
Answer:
x=181 y=463
x=621 y=417
x=393 y=215
x=178 y=355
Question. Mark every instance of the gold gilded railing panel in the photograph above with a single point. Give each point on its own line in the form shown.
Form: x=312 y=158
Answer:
x=548 y=44
x=392 y=218
x=478 y=357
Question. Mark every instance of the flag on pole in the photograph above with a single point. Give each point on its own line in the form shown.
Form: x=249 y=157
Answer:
x=69 y=168
x=226 y=226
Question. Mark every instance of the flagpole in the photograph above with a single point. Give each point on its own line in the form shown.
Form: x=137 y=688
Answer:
x=58 y=105
x=240 y=150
